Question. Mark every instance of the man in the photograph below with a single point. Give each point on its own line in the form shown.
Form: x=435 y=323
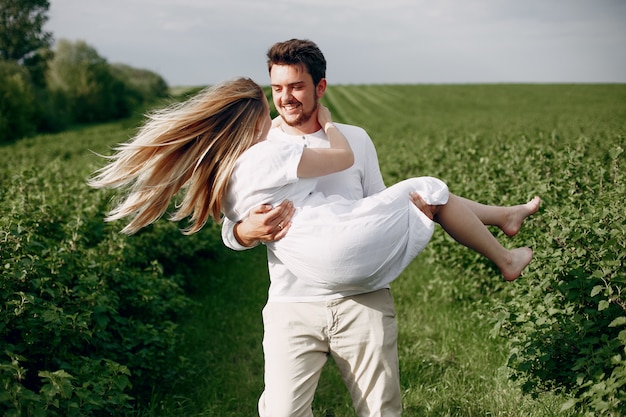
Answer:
x=303 y=324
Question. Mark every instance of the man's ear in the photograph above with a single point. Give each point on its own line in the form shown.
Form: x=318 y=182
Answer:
x=320 y=89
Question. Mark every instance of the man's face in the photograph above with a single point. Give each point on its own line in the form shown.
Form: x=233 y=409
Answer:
x=294 y=94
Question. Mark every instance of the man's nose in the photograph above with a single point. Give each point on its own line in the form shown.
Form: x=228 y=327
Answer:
x=286 y=96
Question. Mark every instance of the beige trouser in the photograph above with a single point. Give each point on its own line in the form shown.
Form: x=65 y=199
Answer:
x=361 y=334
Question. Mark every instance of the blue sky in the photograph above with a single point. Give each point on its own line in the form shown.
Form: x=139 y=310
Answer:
x=199 y=42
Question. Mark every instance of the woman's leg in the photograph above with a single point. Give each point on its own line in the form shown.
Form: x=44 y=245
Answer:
x=508 y=218
x=461 y=222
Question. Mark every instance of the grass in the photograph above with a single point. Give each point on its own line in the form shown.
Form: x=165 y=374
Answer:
x=449 y=364
x=222 y=341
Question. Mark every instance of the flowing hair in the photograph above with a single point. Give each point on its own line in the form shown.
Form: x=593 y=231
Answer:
x=192 y=146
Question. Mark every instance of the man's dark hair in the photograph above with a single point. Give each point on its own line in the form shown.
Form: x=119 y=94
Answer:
x=299 y=52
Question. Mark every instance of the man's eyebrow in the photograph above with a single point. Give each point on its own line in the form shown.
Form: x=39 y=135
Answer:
x=290 y=84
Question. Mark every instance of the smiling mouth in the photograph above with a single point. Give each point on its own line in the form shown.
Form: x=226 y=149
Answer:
x=291 y=106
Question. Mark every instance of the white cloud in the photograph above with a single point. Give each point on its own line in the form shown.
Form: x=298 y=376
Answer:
x=384 y=41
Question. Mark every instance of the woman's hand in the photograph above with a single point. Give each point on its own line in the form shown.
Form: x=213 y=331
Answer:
x=323 y=116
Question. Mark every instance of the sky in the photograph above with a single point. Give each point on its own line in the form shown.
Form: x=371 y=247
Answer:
x=200 y=42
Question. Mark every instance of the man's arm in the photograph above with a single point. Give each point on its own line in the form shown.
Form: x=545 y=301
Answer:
x=372 y=178
x=263 y=224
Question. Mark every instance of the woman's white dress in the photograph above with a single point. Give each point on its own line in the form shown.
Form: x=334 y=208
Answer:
x=334 y=243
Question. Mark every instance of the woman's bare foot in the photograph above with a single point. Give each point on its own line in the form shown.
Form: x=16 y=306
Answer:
x=518 y=260
x=517 y=214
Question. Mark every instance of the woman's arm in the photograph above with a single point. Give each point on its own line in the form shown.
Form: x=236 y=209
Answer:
x=316 y=162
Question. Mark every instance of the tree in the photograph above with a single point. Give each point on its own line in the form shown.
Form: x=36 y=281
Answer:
x=22 y=38
x=142 y=85
x=86 y=80
x=21 y=29
x=16 y=102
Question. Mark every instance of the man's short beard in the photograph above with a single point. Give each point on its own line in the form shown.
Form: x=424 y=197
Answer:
x=303 y=118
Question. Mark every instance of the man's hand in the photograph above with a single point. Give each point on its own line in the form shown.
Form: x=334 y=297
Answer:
x=419 y=202
x=265 y=224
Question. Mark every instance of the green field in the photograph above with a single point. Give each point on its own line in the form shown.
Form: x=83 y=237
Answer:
x=459 y=323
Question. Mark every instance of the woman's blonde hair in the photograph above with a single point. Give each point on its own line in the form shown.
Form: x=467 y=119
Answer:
x=191 y=145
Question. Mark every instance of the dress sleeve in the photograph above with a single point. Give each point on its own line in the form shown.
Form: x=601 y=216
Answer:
x=275 y=163
x=259 y=176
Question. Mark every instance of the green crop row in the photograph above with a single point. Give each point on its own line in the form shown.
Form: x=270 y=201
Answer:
x=88 y=317
x=565 y=319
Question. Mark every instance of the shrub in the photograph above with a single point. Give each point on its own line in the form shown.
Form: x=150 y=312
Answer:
x=565 y=318
x=144 y=85
x=568 y=325
x=87 y=316
x=54 y=111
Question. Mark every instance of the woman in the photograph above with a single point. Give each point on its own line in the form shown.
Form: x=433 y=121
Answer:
x=213 y=148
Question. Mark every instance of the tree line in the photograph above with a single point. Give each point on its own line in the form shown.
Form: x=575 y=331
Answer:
x=46 y=89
